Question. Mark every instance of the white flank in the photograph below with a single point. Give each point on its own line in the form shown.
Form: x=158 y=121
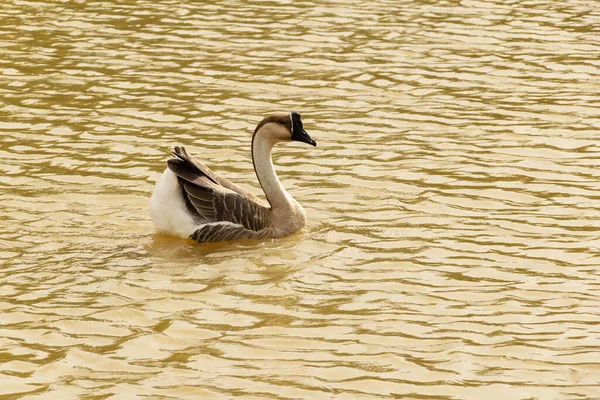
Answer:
x=167 y=208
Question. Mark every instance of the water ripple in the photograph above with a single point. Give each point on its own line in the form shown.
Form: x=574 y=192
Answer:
x=452 y=246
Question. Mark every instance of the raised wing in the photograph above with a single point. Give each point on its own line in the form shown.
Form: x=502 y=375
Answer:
x=210 y=202
x=181 y=153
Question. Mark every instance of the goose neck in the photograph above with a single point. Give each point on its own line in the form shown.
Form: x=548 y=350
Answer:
x=277 y=196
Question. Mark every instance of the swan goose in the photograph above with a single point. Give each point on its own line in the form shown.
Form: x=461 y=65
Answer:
x=191 y=201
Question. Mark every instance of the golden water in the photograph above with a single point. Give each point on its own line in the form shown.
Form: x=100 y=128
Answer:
x=452 y=250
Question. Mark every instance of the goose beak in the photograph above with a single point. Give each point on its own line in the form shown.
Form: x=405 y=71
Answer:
x=298 y=132
x=300 y=135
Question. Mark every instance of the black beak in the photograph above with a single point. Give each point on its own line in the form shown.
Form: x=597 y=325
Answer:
x=298 y=132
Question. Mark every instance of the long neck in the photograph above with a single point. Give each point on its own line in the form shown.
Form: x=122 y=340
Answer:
x=265 y=172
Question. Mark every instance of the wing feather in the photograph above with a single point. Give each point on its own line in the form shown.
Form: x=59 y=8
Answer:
x=181 y=153
x=223 y=231
x=210 y=202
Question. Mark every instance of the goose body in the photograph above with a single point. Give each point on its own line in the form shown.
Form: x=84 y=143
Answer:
x=191 y=201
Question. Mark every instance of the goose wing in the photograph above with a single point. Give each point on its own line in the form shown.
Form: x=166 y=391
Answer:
x=224 y=213
x=181 y=153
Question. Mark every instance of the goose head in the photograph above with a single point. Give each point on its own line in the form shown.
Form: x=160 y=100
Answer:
x=283 y=128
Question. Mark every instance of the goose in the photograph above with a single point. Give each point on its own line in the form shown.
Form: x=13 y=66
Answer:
x=191 y=201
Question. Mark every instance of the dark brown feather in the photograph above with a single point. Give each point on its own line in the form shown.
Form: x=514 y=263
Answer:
x=208 y=201
x=223 y=232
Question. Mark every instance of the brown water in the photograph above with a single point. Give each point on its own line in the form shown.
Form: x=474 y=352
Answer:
x=453 y=245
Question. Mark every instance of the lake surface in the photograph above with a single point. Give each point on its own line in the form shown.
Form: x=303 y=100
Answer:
x=453 y=243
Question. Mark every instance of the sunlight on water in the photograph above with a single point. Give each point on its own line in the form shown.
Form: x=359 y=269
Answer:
x=452 y=249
